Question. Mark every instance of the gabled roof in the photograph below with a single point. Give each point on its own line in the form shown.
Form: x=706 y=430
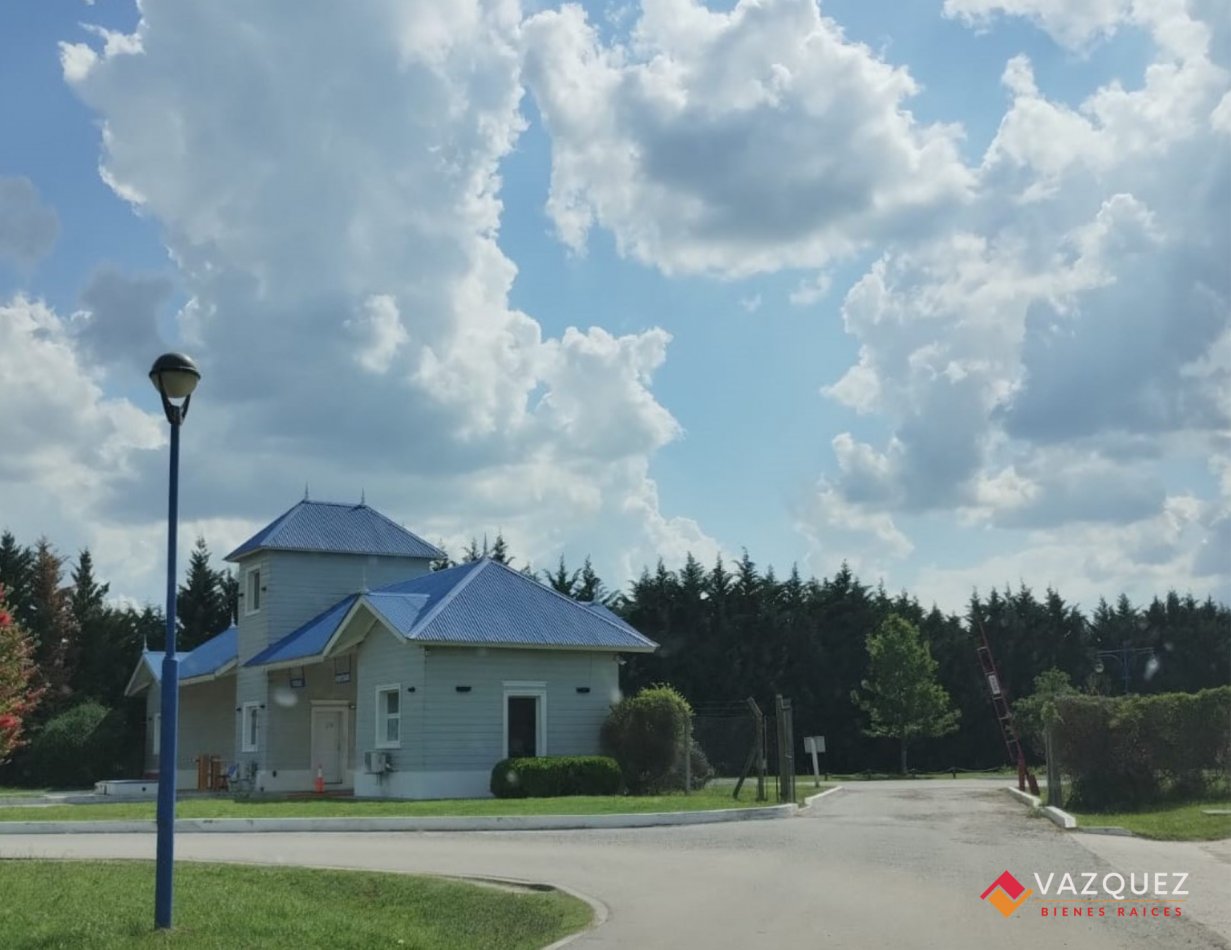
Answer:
x=482 y=603
x=215 y=657
x=339 y=529
x=310 y=639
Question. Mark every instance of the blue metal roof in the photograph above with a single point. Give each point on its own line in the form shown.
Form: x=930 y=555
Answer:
x=212 y=655
x=482 y=603
x=498 y=606
x=604 y=611
x=336 y=528
x=207 y=659
x=308 y=640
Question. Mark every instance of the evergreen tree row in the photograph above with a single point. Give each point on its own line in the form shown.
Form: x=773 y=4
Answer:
x=725 y=633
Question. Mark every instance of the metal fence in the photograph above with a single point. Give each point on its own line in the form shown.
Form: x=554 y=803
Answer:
x=750 y=749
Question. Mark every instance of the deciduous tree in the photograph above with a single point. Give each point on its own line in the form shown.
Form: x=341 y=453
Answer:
x=18 y=693
x=900 y=695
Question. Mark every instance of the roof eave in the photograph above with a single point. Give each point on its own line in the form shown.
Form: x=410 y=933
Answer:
x=227 y=668
x=135 y=689
x=239 y=553
x=571 y=647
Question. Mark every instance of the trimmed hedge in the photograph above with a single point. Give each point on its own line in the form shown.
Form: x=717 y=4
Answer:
x=645 y=734
x=81 y=746
x=554 y=776
x=1130 y=751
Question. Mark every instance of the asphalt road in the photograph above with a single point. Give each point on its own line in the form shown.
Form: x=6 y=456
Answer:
x=881 y=865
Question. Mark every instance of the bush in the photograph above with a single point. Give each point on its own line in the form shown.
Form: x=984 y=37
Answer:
x=1032 y=712
x=701 y=772
x=1132 y=751
x=645 y=734
x=553 y=776
x=81 y=746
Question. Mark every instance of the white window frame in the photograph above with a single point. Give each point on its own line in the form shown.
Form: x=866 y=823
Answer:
x=246 y=743
x=157 y=733
x=382 y=717
x=252 y=591
x=525 y=689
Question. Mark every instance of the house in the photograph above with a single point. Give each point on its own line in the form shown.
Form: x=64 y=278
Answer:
x=352 y=657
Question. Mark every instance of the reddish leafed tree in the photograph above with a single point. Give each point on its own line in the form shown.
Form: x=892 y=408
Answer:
x=18 y=694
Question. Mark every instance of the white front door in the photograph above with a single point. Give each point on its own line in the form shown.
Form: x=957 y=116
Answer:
x=329 y=743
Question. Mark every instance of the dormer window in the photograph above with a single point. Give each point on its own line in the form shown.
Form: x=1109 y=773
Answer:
x=252 y=595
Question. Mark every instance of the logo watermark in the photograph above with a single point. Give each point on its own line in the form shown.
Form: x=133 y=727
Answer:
x=1111 y=895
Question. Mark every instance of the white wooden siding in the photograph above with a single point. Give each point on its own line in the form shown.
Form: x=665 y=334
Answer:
x=206 y=722
x=383 y=659
x=153 y=706
x=444 y=730
x=288 y=719
x=465 y=730
x=298 y=586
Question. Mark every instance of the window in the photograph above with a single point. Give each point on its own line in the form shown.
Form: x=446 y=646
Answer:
x=388 y=717
x=157 y=733
x=525 y=719
x=252 y=595
x=252 y=727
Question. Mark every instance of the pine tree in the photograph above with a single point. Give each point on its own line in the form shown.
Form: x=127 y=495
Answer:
x=228 y=583
x=561 y=580
x=201 y=608
x=17 y=577
x=900 y=694
x=590 y=586
x=472 y=552
x=53 y=628
x=18 y=693
x=500 y=550
x=444 y=562
x=146 y=627
x=88 y=594
x=97 y=629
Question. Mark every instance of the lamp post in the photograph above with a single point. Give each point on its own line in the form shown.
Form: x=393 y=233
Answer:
x=175 y=376
x=1125 y=655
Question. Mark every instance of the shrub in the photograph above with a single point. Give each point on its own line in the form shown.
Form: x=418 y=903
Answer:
x=645 y=734
x=80 y=746
x=553 y=776
x=1033 y=712
x=701 y=772
x=1131 y=751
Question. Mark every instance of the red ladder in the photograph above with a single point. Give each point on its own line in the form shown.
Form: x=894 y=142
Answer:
x=1004 y=715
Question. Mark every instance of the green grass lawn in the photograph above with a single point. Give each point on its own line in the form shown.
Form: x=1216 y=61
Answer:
x=109 y=905
x=803 y=789
x=715 y=797
x=1183 y=822
x=20 y=792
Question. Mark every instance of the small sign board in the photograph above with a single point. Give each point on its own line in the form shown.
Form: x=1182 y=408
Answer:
x=814 y=744
x=993 y=684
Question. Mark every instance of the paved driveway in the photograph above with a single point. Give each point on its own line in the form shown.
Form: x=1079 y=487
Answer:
x=881 y=865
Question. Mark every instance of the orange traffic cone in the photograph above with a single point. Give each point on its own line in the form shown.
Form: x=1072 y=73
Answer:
x=320 y=781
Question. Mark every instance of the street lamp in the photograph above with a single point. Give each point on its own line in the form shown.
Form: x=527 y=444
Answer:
x=175 y=376
x=1125 y=655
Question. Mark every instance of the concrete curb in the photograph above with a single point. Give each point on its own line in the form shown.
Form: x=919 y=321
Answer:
x=1105 y=830
x=1024 y=797
x=811 y=799
x=1061 y=819
x=394 y=824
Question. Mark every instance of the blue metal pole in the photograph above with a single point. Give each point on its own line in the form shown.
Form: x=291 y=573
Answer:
x=165 y=867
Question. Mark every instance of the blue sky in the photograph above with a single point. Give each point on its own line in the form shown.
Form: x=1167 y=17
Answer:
x=1013 y=244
